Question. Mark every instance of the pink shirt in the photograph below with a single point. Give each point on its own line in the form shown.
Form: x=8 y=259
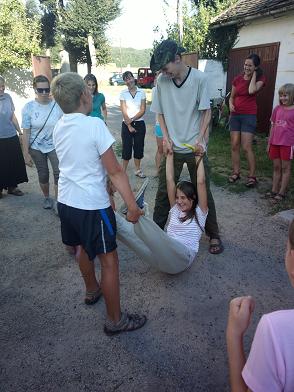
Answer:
x=270 y=365
x=283 y=126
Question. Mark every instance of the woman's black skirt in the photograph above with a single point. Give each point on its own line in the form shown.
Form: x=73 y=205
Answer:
x=12 y=165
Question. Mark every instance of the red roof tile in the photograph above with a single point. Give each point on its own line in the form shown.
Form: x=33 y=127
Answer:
x=257 y=8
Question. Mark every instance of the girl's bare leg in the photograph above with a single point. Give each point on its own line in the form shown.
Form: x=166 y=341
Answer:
x=286 y=174
x=277 y=174
x=246 y=140
x=235 y=150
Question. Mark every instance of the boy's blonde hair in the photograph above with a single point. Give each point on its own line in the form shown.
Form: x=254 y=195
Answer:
x=289 y=90
x=66 y=89
x=291 y=234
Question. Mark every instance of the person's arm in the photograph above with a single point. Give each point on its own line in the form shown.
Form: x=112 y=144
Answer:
x=166 y=142
x=170 y=179
x=269 y=138
x=204 y=125
x=120 y=181
x=240 y=312
x=127 y=119
x=25 y=144
x=104 y=111
x=141 y=111
x=16 y=124
x=201 y=185
x=231 y=100
x=254 y=86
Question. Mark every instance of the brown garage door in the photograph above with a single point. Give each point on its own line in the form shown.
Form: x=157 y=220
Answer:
x=269 y=54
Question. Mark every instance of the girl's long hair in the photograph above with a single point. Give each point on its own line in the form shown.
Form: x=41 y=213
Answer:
x=92 y=78
x=189 y=190
x=256 y=61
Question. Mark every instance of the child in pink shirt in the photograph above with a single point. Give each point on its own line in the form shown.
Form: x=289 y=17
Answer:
x=281 y=143
x=270 y=365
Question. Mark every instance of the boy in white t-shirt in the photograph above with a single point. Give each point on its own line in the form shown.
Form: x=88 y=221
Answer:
x=270 y=364
x=84 y=149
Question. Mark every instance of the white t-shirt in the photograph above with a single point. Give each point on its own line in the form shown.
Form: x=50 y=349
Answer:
x=34 y=115
x=181 y=106
x=133 y=103
x=188 y=232
x=79 y=143
x=270 y=365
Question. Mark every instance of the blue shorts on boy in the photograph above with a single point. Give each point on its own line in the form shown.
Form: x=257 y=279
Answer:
x=79 y=142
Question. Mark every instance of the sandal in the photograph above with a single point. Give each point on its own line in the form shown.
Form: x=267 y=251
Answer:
x=251 y=182
x=15 y=192
x=278 y=198
x=269 y=195
x=215 y=246
x=127 y=323
x=234 y=177
x=140 y=174
x=92 y=296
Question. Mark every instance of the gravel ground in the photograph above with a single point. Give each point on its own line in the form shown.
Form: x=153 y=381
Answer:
x=51 y=341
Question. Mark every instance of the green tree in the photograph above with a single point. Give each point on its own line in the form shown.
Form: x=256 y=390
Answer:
x=197 y=34
x=19 y=35
x=82 y=18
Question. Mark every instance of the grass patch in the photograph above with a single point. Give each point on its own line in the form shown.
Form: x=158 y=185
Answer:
x=220 y=162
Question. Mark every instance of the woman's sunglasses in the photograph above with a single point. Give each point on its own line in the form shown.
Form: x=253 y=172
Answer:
x=43 y=90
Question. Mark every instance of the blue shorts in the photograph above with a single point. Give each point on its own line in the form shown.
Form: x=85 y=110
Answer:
x=158 y=131
x=94 y=230
x=243 y=123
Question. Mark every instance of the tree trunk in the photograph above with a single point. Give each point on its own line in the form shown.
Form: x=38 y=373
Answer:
x=92 y=51
x=73 y=63
x=180 y=20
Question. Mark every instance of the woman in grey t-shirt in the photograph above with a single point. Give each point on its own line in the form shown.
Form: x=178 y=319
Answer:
x=12 y=165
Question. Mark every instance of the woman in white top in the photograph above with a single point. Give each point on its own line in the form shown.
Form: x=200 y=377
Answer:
x=172 y=251
x=133 y=107
x=39 y=118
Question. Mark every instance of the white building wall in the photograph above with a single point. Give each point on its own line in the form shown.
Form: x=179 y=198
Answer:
x=216 y=76
x=273 y=29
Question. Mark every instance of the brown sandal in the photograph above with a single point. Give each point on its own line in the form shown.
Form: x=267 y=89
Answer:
x=93 y=296
x=251 y=182
x=127 y=323
x=234 y=177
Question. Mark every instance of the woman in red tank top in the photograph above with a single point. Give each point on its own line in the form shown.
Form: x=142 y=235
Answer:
x=243 y=111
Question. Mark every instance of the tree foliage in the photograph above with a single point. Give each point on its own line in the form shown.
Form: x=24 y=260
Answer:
x=81 y=18
x=19 y=35
x=198 y=35
x=134 y=57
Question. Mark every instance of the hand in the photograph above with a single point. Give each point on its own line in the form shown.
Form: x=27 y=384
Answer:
x=132 y=129
x=232 y=107
x=28 y=160
x=167 y=146
x=241 y=309
x=133 y=215
x=127 y=120
x=199 y=148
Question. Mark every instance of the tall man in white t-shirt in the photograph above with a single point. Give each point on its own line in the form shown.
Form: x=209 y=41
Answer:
x=182 y=104
x=84 y=148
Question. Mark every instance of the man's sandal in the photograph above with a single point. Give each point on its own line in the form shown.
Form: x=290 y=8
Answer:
x=93 y=296
x=251 y=182
x=127 y=323
x=234 y=177
x=278 y=198
x=215 y=246
x=15 y=192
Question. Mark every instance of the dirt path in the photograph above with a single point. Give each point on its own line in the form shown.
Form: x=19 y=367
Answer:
x=51 y=341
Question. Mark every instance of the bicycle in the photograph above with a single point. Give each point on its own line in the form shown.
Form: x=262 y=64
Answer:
x=220 y=111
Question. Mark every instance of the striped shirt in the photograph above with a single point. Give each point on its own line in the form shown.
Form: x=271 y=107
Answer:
x=188 y=232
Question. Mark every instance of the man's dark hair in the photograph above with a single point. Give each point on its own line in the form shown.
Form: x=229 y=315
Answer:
x=126 y=74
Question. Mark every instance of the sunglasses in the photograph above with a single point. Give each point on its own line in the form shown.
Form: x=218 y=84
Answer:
x=43 y=90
